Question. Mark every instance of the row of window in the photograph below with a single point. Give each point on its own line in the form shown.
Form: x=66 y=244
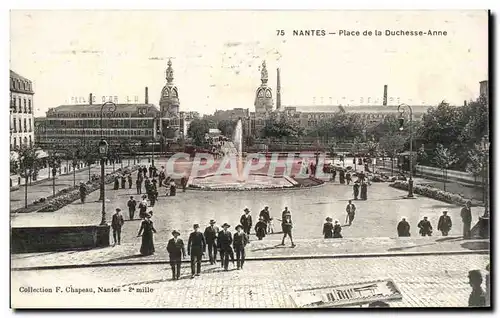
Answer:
x=17 y=107
x=20 y=84
x=97 y=132
x=96 y=123
x=19 y=128
x=97 y=114
x=22 y=141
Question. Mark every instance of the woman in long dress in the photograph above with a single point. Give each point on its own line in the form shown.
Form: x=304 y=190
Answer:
x=328 y=228
x=147 y=229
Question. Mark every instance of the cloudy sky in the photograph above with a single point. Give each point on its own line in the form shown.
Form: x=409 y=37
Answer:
x=216 y=56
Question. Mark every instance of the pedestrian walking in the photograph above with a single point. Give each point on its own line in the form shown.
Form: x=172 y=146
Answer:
x=196 y=248
x=184 y=182
x=466 y=215
x=116 y=184
x=150 y=171
x=147 y=229
x=476 y=297
x=210 y=233
x=143 y=207
x=261 y=228
x=403 y=228
x=116 y=224
x=355 y=189
x=348 y=177
x=123 y=181
x=240 y=240
x=83 y=192
x=138 y=184
x=285 y=212
x=246 y=221
x=425 y=227
x=131 y=207
x=364 y=191
x=444 y=223
x=224 y=241
x=266 y=216
x=328 y=228
x=176 y=252
x=342 y=177
x=173 y=188
x=337 y=230
x=286 y=226
x=129 y=180
x=351 y=211
x=161 y=176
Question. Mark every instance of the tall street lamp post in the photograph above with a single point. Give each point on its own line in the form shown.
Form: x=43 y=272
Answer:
x=401 y=110
x=103 y=151
x=106 y=108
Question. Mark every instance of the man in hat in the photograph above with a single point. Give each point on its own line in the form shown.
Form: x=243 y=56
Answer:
x=466 y=219
x=286 y=226
x=196 y=248
x=116 y=224
x=356 y=189
x=403 y=228
x=176 y=252
x=265 y=215
x=477 y=297
x=444 y=223
x=425 y=227
x=131 y=207
x=138 y=183
x=211 y=232
x=224 y=241
x=328 y=228
x=351 y=210
x=246 y=221
x=285 y=211
x=240 y=240
x=261 y=228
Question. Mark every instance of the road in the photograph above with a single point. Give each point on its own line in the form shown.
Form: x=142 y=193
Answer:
x=425 y=281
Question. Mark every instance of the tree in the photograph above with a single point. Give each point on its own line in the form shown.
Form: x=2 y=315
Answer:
x=475 y=164
x=27 y=157
x=343 y=126
x=387 y=126
x=280 y=128
x=14 y=165
x=392 y=145
x=226 y=127
x=444 y=159
x=88 y=155
x=372 y=149
x=197 y=130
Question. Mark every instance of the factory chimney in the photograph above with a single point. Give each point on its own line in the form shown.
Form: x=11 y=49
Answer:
x=385 y=96
x=90 y=99
x=146 y=97
x=278 y=91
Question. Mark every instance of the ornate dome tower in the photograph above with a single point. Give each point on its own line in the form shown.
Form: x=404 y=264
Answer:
x=169 y=105
x=263 y=96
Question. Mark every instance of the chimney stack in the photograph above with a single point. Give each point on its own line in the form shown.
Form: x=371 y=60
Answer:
x=146 y=98
x=385 y=96
x=90 y=99
x=278 y=91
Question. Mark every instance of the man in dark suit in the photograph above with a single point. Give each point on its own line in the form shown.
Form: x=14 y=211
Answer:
x=116 y=224
x=176 y=252
x=466 y=219
x=196 y=248
x=444 y=223
x=239 y=242
x=211 y=237
x=246 y=221
x=224 y=241
x=132 y=204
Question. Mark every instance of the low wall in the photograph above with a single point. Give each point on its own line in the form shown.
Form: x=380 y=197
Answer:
x=58 y=238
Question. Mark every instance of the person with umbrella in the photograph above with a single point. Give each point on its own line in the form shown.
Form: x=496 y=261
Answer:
x=147 y=229
x=176 y=252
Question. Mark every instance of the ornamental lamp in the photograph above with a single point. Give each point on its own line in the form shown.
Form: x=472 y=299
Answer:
x=103 y=148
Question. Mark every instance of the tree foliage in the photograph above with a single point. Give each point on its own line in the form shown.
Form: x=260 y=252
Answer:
x=343 y=126
x=197 y=130
x=392 y=144
x=227 y=127
x=443 y=157
x=27 y=160
x=279 y=128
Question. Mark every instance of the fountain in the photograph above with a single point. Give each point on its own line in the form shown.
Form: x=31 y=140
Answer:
x=252 y=181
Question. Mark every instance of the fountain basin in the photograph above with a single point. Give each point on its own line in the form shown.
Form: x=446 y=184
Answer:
x=252 y=182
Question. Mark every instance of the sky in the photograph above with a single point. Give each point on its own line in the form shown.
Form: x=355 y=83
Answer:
x=216 y=56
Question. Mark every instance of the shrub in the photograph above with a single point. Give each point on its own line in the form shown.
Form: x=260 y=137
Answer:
x=431 y=192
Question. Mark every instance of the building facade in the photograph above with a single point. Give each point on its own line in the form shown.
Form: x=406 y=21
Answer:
x=21 y=111
x=70 y=126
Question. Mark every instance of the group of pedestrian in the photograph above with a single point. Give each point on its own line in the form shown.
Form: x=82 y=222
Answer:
x=425 y=226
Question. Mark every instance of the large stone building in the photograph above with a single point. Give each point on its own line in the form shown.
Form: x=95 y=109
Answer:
x=140 y=123
x=21 y=111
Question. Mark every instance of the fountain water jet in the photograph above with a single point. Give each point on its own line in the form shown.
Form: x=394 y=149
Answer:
x=238 y=144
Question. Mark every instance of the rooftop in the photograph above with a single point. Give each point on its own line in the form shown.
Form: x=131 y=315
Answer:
x=356 y=108
x=132 y=108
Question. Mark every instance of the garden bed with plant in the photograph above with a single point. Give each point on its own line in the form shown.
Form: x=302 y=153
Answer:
x=432 y=193
x=68 y=195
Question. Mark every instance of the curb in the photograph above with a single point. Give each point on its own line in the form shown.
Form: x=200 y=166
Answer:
x=269 y=258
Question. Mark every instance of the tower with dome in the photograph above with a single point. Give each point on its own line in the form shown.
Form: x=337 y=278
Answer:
x=169 y=106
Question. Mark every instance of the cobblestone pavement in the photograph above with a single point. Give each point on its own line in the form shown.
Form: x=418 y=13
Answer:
x=267 y=248
x=425 y=281
x=377 y=217
x=44 y=188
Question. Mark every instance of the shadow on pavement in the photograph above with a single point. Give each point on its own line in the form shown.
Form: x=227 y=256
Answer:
x=268 y=248
x=408 y=247
x=444 y=239
x=476 y=245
